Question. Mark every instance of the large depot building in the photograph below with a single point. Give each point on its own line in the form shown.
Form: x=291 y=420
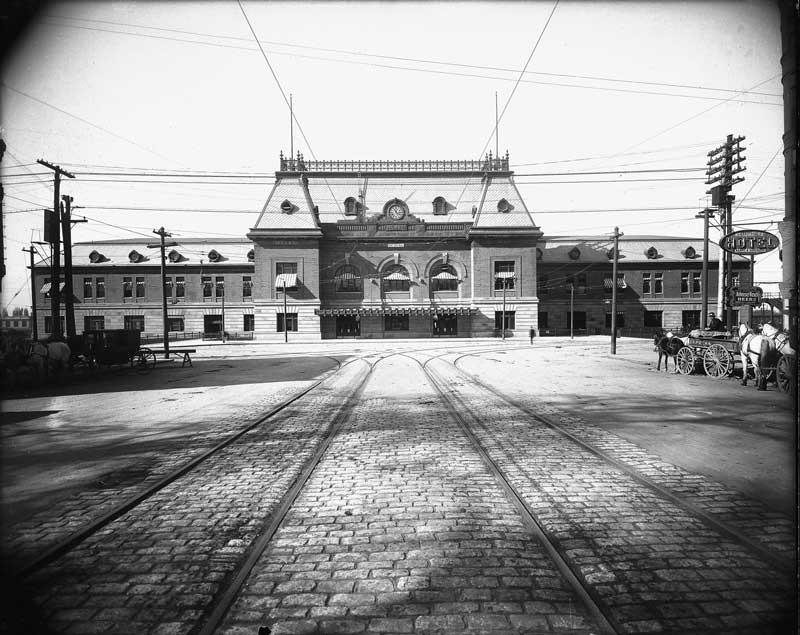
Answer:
x=390 y=249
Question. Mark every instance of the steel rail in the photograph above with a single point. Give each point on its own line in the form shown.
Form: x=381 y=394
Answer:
x=586 y=593
x=777 y=560
x=65 y=545
x=216 y=611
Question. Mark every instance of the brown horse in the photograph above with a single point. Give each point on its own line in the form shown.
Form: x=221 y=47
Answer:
x=667 y=346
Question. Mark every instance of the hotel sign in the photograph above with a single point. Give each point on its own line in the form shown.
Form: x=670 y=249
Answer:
x=749 y=242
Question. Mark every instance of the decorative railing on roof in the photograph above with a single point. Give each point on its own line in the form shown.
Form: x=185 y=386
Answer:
x=300 y=164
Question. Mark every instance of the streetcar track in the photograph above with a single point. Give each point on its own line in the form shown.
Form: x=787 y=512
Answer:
x=216 y=611
x=65 y=545
x=777 y=560
x=590 y=598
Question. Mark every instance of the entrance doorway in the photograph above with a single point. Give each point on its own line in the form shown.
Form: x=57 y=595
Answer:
x=445 y=324
x=348 y=326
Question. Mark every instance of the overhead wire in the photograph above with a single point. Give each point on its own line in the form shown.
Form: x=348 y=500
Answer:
x=85 y=121
x=421 y=61
x=280 y=87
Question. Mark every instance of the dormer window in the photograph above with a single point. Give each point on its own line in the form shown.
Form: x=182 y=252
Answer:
x=174 y=256
x=96 y=256
x=689 y=253
x=651 y=253
x=350 y=206
x=439 y=205
x=574 y=253
x=503 y=206
x=251 y=255
x=287 y=207
x=610 y=254
x=134 y=256
x=214 y=256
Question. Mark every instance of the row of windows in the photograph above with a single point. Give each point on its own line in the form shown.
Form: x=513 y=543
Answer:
x=175 y=287
x=211 y=324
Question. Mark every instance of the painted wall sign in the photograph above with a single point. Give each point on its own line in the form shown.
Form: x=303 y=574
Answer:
x=396 y=245
x=749 y=242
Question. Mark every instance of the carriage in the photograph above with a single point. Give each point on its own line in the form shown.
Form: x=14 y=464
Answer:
x=114 y=347
x=717 y=354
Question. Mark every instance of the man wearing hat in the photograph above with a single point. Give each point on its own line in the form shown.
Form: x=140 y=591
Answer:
x=714 y=323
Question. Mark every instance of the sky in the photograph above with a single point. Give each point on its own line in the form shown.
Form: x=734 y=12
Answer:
x=173 y=114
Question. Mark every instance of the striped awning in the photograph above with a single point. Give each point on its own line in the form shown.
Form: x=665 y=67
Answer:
x=445 y=275
x=397 y=275
x=396 y=310
x=621 y=284
x=347 y=275
x=47 y=286
x=504 y=274
x=286 y=280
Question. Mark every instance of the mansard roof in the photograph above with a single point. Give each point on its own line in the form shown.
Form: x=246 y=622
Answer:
x=632 y=249
x=472 y=192
x=190 y=251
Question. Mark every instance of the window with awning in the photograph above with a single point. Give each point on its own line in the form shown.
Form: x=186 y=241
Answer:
x=504 y=274
x=444 y=278
x=347 y=279
x=286 y=281
x=47 y=286
x=396 y=279
x=621 y=284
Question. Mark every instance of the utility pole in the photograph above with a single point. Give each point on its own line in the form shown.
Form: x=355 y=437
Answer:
x=724 y=163
x=66 y=228
x=705 y=215
x=614 y=292
x=162 y=245
x=32 y=251
x=285 y=317
x=55 y=241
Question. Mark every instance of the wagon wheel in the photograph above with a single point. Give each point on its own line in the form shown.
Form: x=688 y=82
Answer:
x=144 y=360
x=784 y=373
x=717 y=361
x=685 y=360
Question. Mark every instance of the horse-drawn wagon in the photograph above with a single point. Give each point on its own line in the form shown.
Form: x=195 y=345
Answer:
x=716 y=354
x=769 y=353
x=113 y=347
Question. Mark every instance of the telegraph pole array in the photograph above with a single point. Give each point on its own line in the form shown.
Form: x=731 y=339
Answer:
x=53 y=233
x=724 y=163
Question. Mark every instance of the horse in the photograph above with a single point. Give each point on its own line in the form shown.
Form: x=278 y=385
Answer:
x=50 y=357
x=761 y=350
x=781 y=338
x=667 y=346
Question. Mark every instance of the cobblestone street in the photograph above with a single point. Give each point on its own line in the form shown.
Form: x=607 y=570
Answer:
x=525 y=497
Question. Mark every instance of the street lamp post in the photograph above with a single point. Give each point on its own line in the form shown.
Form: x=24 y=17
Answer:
x=707 y=213
x=617 y=234
x=503 y=321
x=285 y=320
x=571 y=309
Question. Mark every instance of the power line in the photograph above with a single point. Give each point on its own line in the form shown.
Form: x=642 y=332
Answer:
x=85 y=121
x=699 y=114
x=413 y=60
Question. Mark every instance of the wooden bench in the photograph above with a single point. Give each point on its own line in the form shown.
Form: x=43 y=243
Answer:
x=180 y=352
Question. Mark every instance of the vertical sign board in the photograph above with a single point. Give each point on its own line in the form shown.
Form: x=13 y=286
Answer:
x=50 y=227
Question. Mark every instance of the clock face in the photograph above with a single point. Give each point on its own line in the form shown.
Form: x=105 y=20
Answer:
x=396 y=212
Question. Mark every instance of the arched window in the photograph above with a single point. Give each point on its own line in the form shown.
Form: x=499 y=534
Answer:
x=396 y=278
x=347 y=279
x=443 y=278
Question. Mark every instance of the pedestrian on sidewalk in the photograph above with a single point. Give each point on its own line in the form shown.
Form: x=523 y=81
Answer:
x=532 y=334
